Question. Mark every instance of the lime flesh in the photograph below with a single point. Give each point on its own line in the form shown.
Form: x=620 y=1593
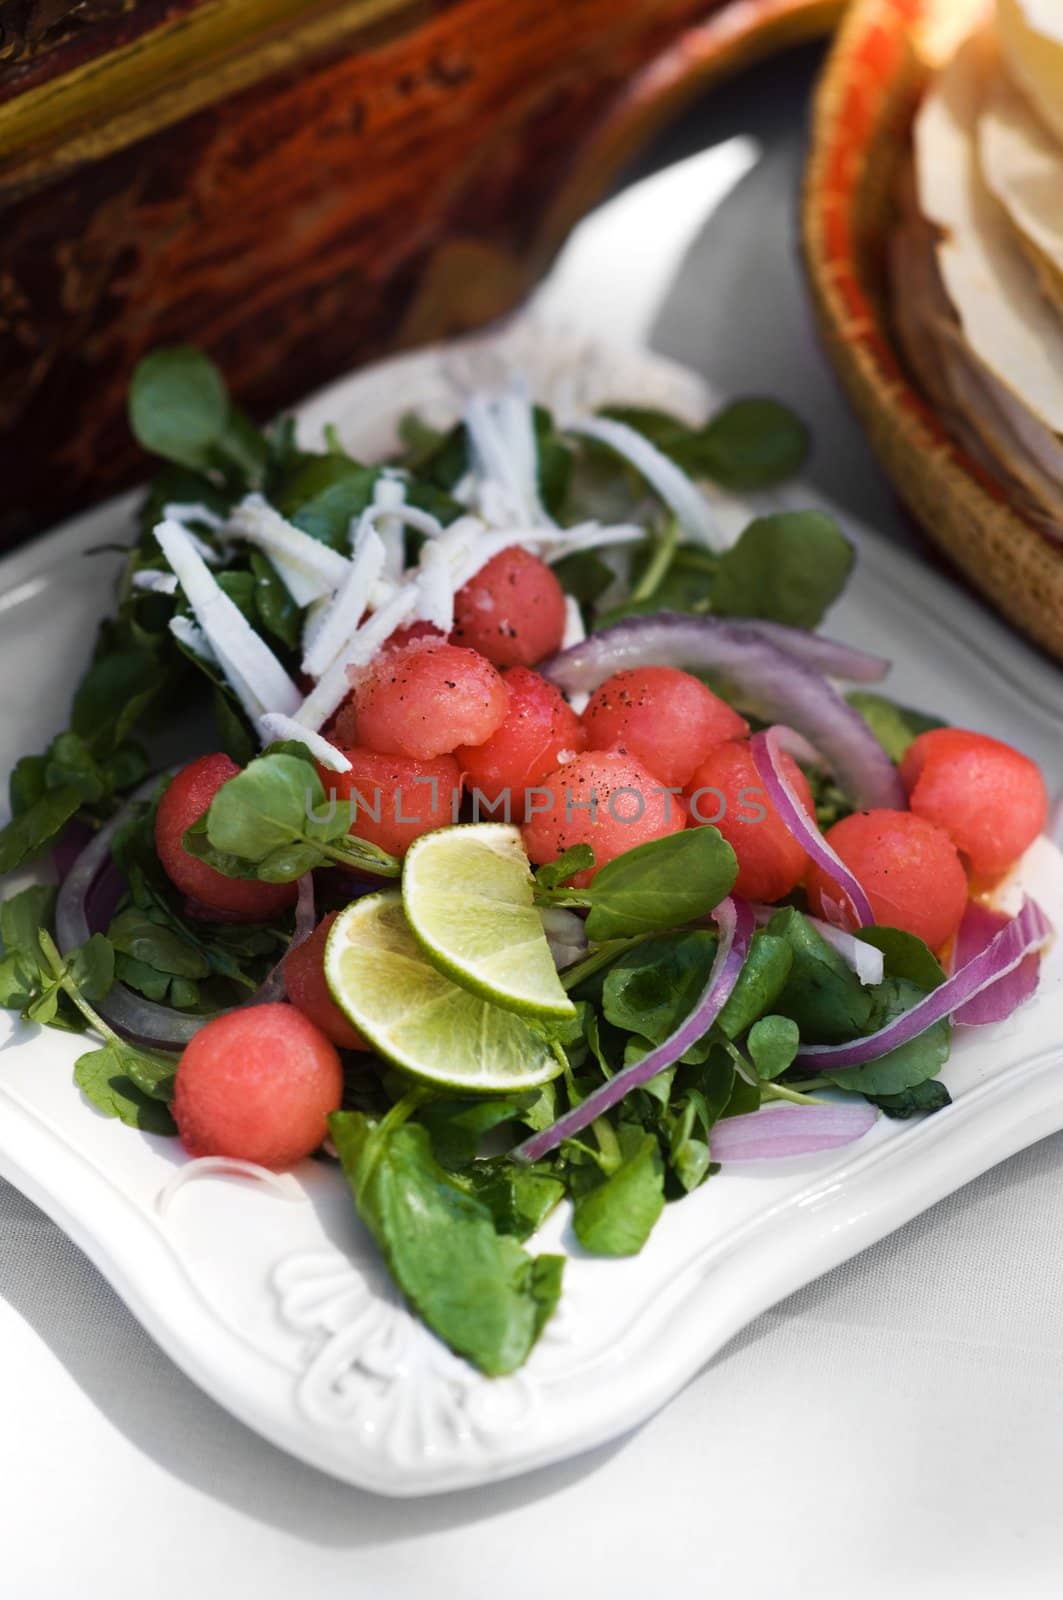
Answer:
x=418 y=1017
x=468 y=897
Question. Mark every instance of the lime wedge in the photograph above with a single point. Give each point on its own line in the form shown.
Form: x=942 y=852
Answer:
x=468 y=898
x=416 y=1017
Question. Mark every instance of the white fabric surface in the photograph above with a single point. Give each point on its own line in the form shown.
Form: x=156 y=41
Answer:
x=897 y=1428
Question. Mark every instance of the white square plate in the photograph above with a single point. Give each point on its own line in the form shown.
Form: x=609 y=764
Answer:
x=270 y=1294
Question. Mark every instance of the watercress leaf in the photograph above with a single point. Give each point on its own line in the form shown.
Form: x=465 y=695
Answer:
x=148 y=981
x=691 y=1162
x=662 y=884
x=822 y=994
x=585 y=576
x=265 y=807
x=477 y=1289
x=20 y=980
x=113 y=697
x=751 y=444
x=153 y=1073
x=178 y=405
x=102 y=1077
x=744 y=1097
x=617 y=1216
x=905 y=956
x=576 y=859
x=27 y=784
x=139 y=936
x=519 y=1198
x=789 y=567
x=651 y=987
x=71 y=762
x=275 y=610
x=910 y=1064
x=894 y=726
x=28 y=833
x=931 y=1095
x=125 y=767
x=22 y=916
x=554 y=461
x=760 y=983
x=91 y=967
x=324 y=494
x=291 y=861
x=235 y=735
x=772 y=1045
x=457 y=1127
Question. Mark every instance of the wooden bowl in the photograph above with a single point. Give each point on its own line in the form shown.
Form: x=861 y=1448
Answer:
x=301 y=188
x=861 y=132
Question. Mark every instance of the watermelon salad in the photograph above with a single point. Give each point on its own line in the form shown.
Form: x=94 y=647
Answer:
x=496 y=823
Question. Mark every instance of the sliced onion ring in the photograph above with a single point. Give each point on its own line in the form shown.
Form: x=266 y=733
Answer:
x=777 y=1131
x=1020 y=938
x=764 y=748
x=670 y=638
x=734 y=918
x=777 y=676
x=979 y=927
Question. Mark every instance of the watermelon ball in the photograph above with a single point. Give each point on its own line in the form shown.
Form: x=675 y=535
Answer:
x=726 y=791
x=512 y=611
x=604 y=799
x=989 y=798
x=304 y=979
x=541 y=731
x=665 y=718
x=909 y=869
x=427 y=699
x=257 y=1084
x=186 y=800
x=396 y=799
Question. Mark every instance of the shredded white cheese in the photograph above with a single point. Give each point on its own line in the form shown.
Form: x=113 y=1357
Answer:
x=191 y=635
x=575 y=632
x=248 y=663
x=435 y=589
x=155 y=582
x=671 y=482
x=360 y=649
x=332 y=629
x=308 y=568
x=273 y=726
x=505 y=457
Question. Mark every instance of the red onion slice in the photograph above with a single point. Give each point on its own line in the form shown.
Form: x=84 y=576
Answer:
x=676 y=639
x=734 y=919
x=777 y=1131
x=764 y=748
x=979 y=927
x=1006 y=951
x=778 y=684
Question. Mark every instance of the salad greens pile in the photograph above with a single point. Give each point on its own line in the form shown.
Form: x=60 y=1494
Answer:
x=430 y=1173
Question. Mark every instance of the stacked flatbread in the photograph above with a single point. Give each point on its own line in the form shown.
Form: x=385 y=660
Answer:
x=977 y=256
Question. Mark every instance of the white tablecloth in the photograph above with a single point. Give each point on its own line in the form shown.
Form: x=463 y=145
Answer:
x=897 y=1428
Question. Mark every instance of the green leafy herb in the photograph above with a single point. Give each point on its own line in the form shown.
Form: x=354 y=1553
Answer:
x=894 y=726
x=930 y=1095
x=772 y=1044
x=104 y=1077
x=616 y=1217
x=788 y=568
x=909 y=1064
x=751 y=444
x=823 y=995
x=475 y=1287
x=662 y=884
x=578 y=858
x=271 y=821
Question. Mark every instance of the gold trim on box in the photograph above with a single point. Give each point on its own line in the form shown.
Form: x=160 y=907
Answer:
x=168 y=74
